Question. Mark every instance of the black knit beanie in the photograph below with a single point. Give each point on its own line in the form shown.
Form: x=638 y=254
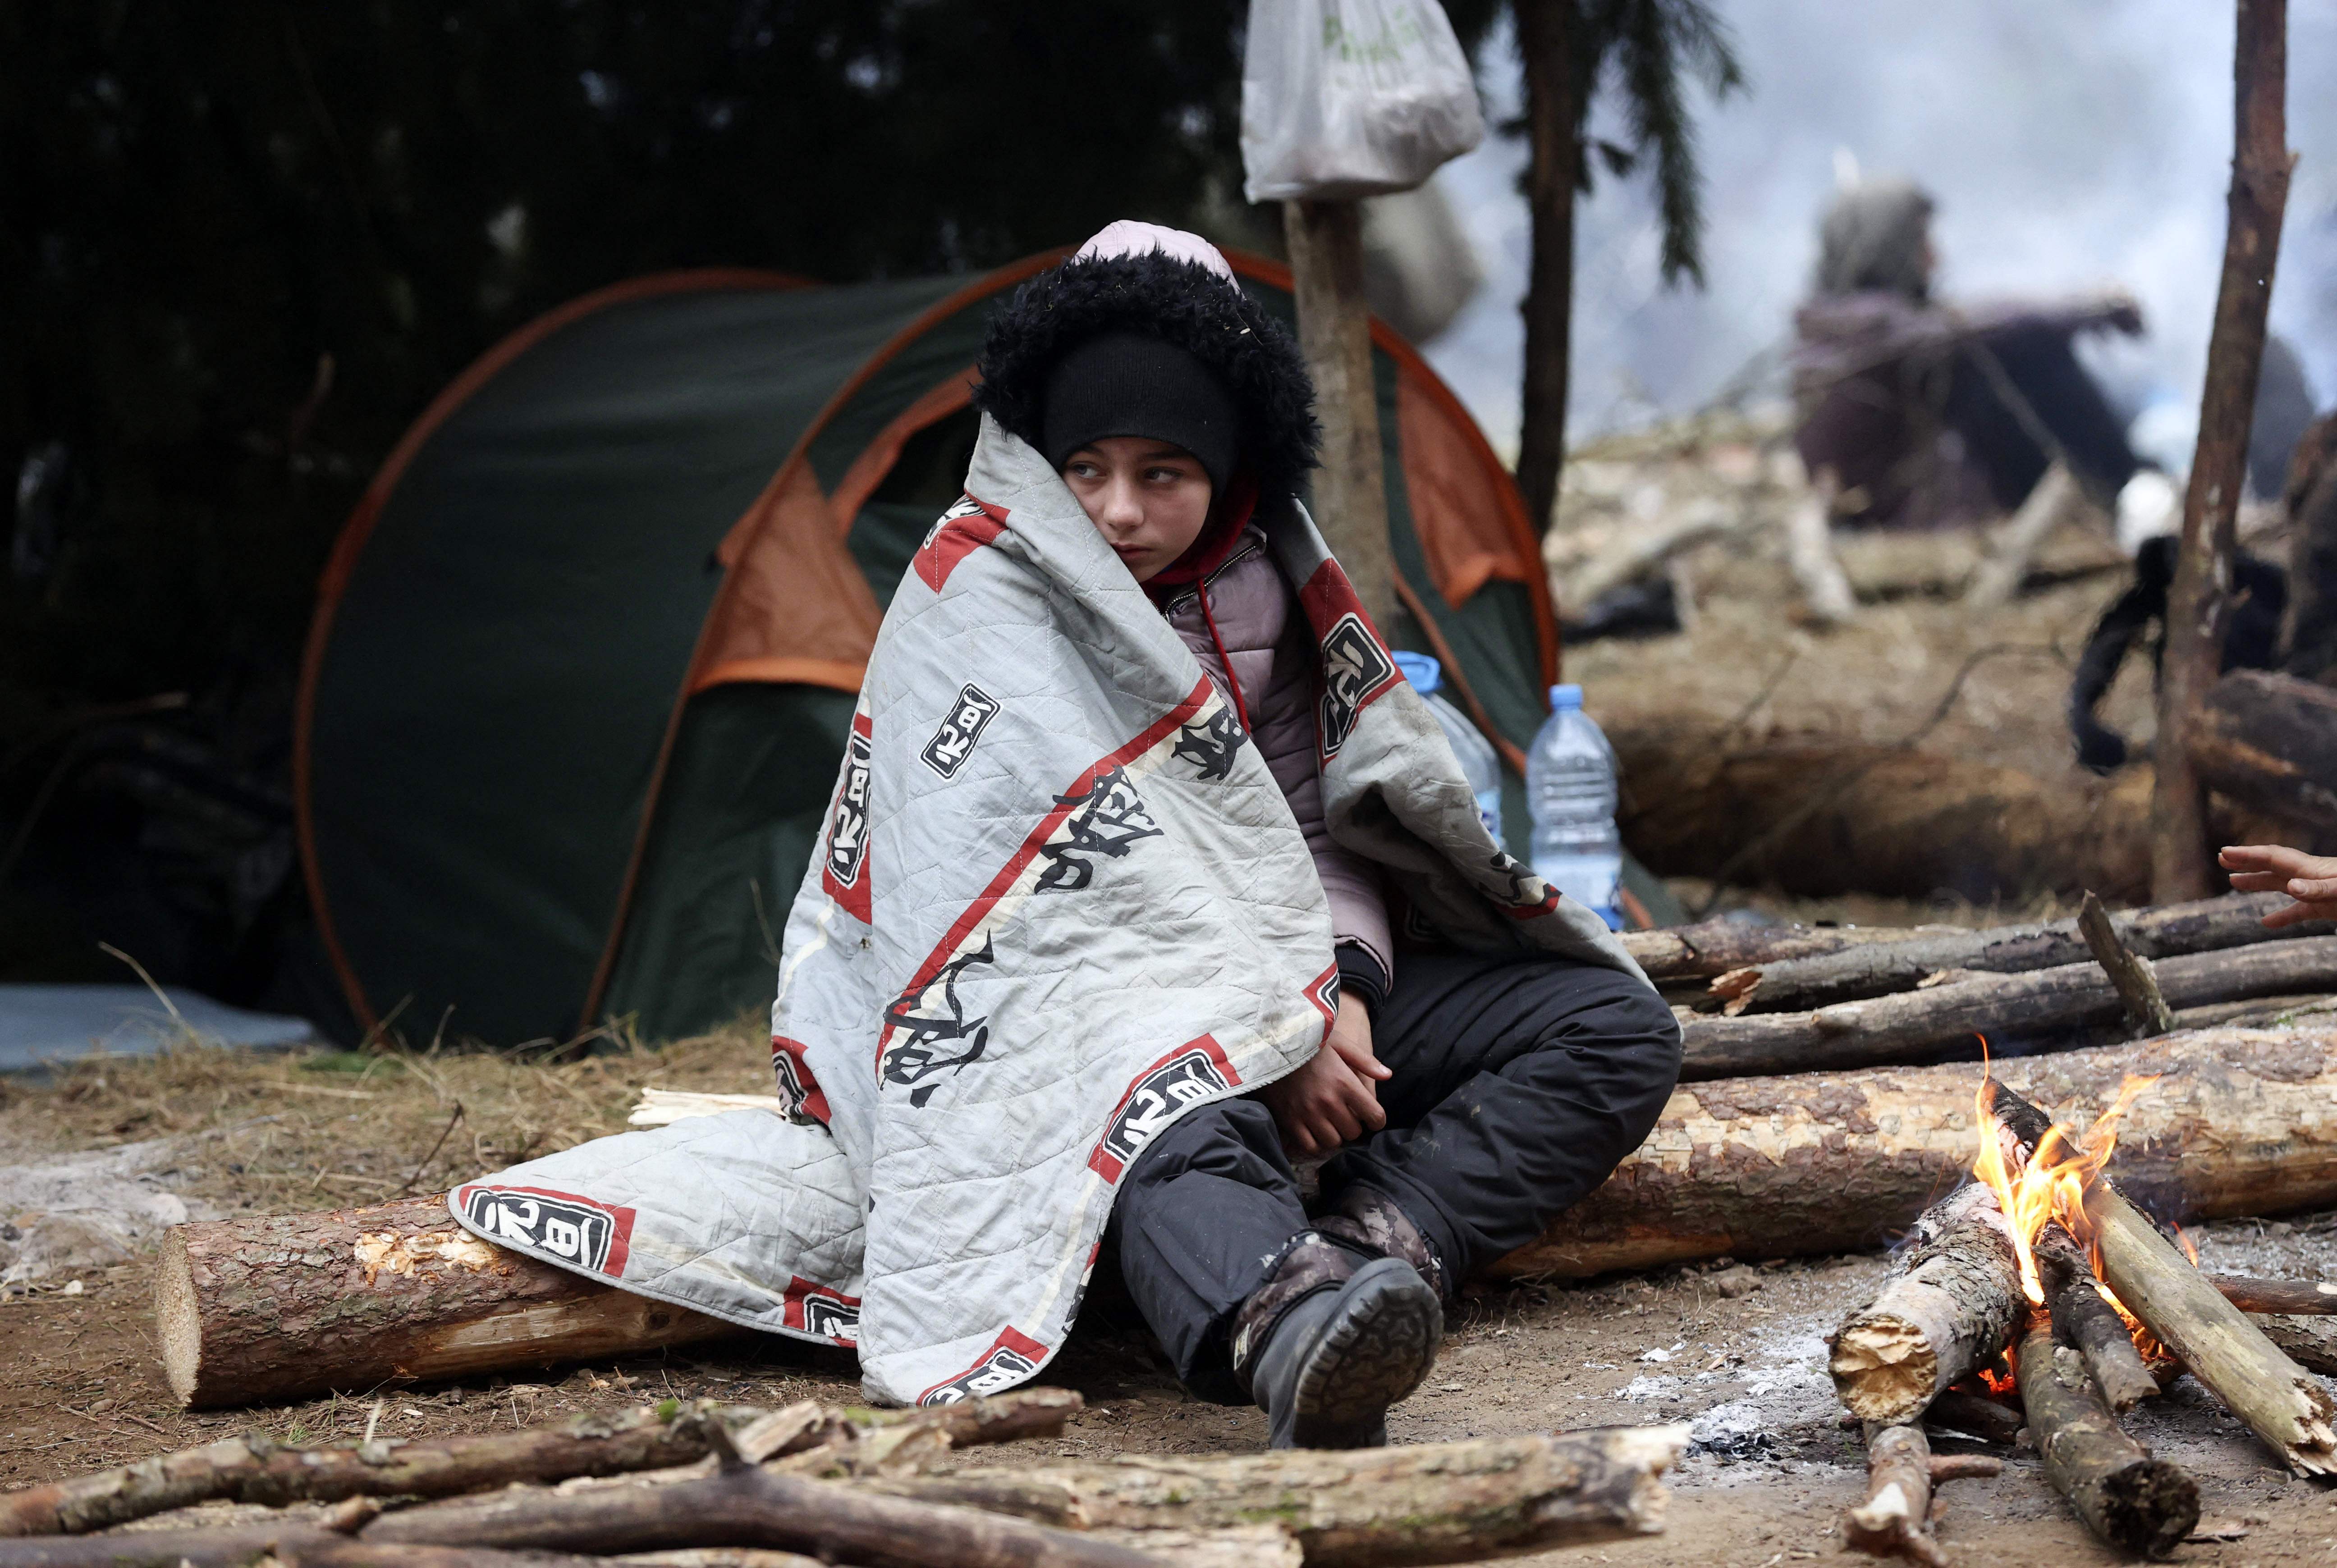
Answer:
x=1132 y=384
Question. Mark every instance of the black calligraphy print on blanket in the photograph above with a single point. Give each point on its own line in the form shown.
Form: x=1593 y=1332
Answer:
x=1210 y=745
x=1108 y=821
x=929 y=1017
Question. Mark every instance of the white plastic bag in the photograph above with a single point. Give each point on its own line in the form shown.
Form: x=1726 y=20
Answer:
x=1349 y=98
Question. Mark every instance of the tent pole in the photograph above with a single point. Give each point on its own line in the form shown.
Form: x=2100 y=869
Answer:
x=1326 y=267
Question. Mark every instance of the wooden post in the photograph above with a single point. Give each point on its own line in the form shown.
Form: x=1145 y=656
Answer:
x=1554 y=171
x=1326 y=266
x=2181 y=866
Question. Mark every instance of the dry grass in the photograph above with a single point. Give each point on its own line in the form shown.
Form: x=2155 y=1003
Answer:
x=338 y=1128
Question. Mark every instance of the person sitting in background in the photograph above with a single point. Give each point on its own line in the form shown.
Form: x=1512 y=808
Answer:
x=2310 y=880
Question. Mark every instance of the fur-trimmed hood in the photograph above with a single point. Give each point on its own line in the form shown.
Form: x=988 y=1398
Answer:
x=1181 y=301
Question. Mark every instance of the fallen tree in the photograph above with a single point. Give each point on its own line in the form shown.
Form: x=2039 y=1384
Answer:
x=1879 y=1030
x=1820 y=819
x=1799 y=983
x=2243 y=1122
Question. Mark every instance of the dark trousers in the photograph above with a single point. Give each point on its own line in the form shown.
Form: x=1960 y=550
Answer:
x=1521 y=1081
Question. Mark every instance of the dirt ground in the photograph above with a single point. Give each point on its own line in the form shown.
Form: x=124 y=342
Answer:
x=1770 y=1468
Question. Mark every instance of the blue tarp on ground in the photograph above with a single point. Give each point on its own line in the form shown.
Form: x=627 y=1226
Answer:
x=43 y=1026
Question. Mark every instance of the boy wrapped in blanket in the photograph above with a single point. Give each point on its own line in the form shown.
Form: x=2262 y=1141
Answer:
x=1145 y=872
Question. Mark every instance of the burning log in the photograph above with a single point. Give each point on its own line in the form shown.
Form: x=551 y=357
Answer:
x=2287 y=1297
x=256 y=1309
x=1895 y=1519
x=251 y=1469
x=1430 y=1503
x=2147 y=1013
x=1950 y=1309
x=2084 y=1322
x=2132 y=1501
x=1976 y=1416
x=1881 y=1030
x=2245 y=1123
x=2294 y=1415
x=1795 y=982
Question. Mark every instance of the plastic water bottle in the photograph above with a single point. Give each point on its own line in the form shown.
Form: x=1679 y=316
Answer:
x=1480 y=764
x=1570 y=790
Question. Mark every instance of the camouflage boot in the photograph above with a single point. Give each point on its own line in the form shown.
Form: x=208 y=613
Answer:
x=1331 y=1341
x=1370 y=1222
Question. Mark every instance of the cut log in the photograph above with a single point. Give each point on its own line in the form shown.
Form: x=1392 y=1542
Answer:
x=1975 y=1415
x=1950 y=1309
x=1796 y=984
x=2294 y=1415
x=2086 y=1323
x=254 y=1470
x=2270 y=741
x=1826 y=598
x=2130 y=1500
x=1896 y=1517
x=1821 y=819
x=332 y=1551
x=2309 y=1340
x=2285 y=1297
x=1879 y=1030
x=260 y=1311
x=2054 y=499
x=2147 y=1013
x=2244 y=1123
x=1429 y=1503
x=1716 y=947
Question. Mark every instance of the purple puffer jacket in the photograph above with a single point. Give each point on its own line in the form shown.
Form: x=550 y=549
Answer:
x=1272 y=682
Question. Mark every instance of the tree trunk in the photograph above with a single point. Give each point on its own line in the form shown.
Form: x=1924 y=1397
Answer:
x=2270 y=742
x=1881 y=1030
x=2294 y=1415
x=2132 y=1501
x=1895 y=1519
x=1553 y=135
x=1823 y=819
x=1419 y=1504
x=1335 y=329
x=262 y=1311
x=2197 y=608
x=1950 y=1309
x=2090 y=1325
x=2244 y=1124
x=1795 y=983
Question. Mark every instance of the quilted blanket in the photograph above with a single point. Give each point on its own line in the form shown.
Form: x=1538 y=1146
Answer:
x=1059 y=903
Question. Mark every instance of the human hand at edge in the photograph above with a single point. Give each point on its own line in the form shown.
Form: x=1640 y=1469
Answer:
x=1331 y=1101
x=2310 y=880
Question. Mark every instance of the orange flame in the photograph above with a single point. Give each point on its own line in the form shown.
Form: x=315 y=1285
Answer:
x=2048 y=1186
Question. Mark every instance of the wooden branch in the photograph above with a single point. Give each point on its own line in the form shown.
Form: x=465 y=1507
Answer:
x=1896 y=1518
x=254 y=1470
x=2270 y=742
x=332 y=1551
x=1826 y=598
x=1882 y=1030
x=1976 y=1416
x=1719 y=947
x=2086 y=1323
x=1326 y=240
x=1998 y=578
x=255 y=1311
x=2197 y=602
x=2146 y=1012
x=2308 y=1339
x=1952 y=1307
x=1799 y=983
x=2130 y=1500
x=2293 y=1414
x=1421 y=1503
x=2244 y=1124
x=2287 y=1297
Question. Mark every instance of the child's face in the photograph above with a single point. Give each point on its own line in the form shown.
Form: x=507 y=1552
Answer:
x=1148 y=498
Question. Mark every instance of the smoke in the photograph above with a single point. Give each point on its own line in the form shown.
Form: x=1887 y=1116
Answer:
x=2075 y=146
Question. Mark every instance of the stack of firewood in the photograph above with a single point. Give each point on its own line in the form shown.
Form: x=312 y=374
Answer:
x=2123 y=1310
x=704 y=1485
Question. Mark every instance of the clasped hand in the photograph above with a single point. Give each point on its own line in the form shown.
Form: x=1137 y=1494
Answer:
x=1332 y=1100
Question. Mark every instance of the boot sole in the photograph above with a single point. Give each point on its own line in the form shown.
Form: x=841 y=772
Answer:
x=1376 y=1348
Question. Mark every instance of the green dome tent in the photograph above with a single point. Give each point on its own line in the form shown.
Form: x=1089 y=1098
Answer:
x=585 y=654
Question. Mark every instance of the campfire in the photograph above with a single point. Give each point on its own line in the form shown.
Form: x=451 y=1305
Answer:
x=2037 y=1294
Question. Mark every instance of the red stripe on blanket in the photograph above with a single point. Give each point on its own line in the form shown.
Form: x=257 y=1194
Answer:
x=1195 y=1071
x=791 y=1067
x=1357 y=668
x=1152 y=734
x=589 y=1233
x=811 y=1308
x=964 y=528
x=1011 y=1357
x=844 y=861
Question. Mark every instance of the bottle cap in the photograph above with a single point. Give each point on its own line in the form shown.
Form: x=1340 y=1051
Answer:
x=1424 y=672
x=1562 y=697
